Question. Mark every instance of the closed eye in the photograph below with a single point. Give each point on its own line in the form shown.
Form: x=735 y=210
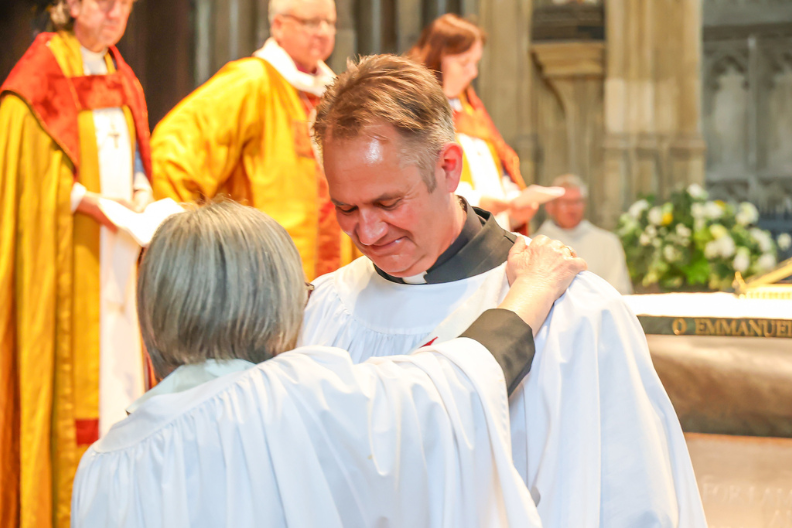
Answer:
x=389 y=205
x=345 y=209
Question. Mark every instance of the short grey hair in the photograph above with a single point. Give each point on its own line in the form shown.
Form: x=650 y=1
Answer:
x=395 y=91
x=278 y=7
x=221 y=281
x=571 y=181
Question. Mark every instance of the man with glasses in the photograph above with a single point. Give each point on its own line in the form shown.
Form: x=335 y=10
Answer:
x=245 y=134
x=601 y=249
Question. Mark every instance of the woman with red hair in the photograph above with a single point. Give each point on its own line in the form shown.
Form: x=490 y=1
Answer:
x=451 y=47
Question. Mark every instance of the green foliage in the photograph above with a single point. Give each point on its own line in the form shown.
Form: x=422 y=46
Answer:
x=690 y=243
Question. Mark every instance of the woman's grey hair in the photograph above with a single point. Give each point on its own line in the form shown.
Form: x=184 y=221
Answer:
x=221 y=281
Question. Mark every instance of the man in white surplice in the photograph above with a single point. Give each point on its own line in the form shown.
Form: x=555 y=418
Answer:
x=594 y=434
x=245 y=431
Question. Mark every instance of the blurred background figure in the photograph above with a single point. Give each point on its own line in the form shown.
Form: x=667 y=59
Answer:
x=452 y=47
x=245 y=133
x=600 y=248
x=73 y=131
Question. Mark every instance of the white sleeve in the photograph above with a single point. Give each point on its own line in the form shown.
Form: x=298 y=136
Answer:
x=140 y=182
x=594 y=422
x=77 y=194
x=466 y=191
x=511 y=189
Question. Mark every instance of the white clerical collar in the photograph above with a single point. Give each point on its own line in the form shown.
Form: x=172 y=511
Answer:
x=415 y=279
x=93 y=61
x=187 y=377
x=305 y=82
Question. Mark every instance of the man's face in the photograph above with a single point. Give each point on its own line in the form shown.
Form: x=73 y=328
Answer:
x=306 y=31
x=568 y=210
x=99 y=24
x=384 y=205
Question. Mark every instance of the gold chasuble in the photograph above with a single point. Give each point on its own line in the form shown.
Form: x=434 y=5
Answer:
x=245 y=134
x=49 y=271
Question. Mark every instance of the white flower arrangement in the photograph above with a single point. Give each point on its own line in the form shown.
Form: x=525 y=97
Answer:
x=691 y=242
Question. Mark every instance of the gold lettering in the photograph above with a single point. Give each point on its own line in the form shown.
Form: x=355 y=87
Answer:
x=710 y=325
x=756 y=330
x=679 y=326
x=782 y=328
x=743 y=329
x=727 y=328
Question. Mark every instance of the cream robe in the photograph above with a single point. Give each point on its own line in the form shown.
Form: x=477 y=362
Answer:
x=602 y=251
x=594 y=434
x=121 y=364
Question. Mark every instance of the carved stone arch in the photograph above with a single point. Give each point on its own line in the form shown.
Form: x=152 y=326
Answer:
x=718 y=62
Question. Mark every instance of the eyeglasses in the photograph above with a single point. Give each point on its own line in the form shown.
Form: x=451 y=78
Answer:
x=310 y=288
x=313 y=24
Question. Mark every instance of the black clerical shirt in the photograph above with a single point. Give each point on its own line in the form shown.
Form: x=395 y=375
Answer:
x=481 y=246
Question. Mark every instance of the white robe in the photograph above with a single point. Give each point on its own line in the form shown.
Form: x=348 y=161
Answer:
x=594 y=434
x=121 y=364
x=601 y=249
x=310 y=439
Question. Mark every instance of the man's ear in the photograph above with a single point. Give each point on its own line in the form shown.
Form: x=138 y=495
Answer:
x=449 y=163
x=74 y=7
x=276 y=27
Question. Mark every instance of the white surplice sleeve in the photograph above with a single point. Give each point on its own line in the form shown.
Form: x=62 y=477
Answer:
x=594 y=433
x=310 y=439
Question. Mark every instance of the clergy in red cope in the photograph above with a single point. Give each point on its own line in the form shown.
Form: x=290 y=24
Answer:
x=593 y=433
x=245 y=430
x=73 y=129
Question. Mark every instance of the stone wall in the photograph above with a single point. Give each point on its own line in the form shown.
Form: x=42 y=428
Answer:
x=747 y=101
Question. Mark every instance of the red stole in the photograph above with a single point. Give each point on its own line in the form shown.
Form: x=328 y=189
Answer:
x=480 y=125
x=329 y=241
x=56 y=99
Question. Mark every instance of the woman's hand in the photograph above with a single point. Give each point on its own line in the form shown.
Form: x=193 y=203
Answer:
x=539 y=274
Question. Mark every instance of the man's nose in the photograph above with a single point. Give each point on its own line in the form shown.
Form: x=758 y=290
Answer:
x=371 y=228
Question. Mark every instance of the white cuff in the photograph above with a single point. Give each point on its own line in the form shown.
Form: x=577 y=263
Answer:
x=77 y=194
x=511 y=189
x=140 y=182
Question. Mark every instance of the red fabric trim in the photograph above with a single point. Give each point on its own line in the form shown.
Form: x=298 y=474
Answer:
x=56 y=100
x=39 y=81
x=429 y=342
x=87 y=431
x=136 y=101
x=481 y=126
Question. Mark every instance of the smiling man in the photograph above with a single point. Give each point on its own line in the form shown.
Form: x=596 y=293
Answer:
x=245 y=133
x=593 y=433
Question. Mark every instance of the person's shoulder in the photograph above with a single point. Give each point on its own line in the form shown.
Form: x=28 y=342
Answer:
x=356 y=271
x=604 y=234
x=590 y=295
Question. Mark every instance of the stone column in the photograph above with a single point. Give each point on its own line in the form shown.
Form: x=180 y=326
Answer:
x=616 y=188
x=687 y=156
x=346 y=36
x=575 y=71
x=505 y=76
